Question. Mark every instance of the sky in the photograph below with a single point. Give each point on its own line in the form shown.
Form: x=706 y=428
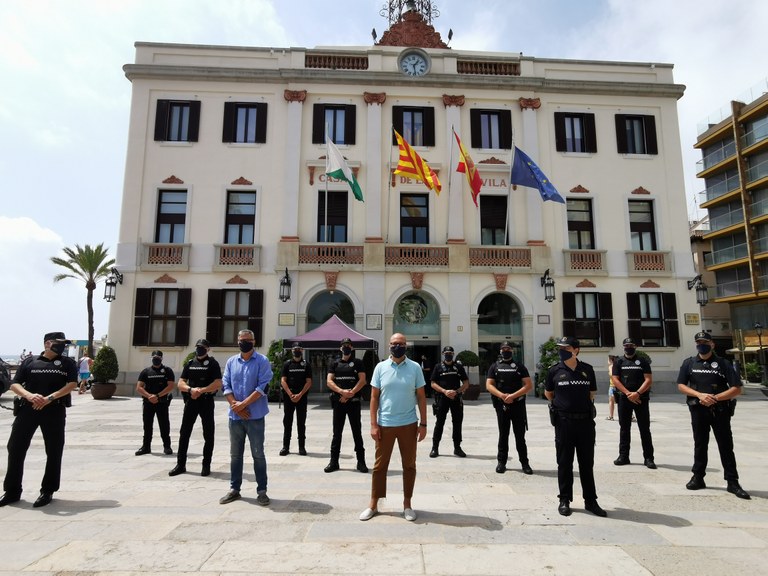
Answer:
x=65 y=101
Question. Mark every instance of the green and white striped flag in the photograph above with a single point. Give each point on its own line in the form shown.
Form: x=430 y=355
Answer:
x=336 y=166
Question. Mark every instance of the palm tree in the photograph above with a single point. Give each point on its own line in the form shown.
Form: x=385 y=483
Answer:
x=90 y=265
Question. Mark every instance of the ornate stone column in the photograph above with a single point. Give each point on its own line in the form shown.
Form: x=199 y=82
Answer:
x=456 y=181
x=295 y=99
x=530 y=145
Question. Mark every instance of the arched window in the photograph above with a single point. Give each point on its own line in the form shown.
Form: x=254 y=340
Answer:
x=325 y=305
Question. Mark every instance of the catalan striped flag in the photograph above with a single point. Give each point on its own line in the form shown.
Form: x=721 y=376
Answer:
x=467 y=165
x=413 y=166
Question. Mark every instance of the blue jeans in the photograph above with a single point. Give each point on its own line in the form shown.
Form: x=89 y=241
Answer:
x=238 y=430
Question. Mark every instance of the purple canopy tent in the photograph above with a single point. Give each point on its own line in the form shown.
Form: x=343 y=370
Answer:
x=329 y=335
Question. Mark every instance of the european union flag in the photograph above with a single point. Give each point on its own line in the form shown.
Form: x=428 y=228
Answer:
x=526 y=173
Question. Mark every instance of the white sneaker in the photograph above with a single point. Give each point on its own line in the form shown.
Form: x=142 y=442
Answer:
x=409 y=514
x=367 y=514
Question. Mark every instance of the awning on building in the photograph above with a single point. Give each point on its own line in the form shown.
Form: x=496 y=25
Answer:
x=747 y=350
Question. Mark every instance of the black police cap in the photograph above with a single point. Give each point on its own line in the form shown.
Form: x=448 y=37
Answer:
x=56 y=336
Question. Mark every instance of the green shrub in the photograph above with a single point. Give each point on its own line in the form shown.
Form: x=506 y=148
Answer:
x=753 y=371
x=468 y=358
x=105 y=366
x=548 y=357
x=277 y=357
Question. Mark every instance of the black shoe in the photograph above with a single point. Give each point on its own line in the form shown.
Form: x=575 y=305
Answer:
x=178 y=469
x=594 y=507
x=284 y=451
x=564 y=508
x=361 y=467
x=649 y=463
x=621 y=460
x=43 y=500
x=735 y=488
x=302 y=451
x=206 y=471
x=167 y=450
x=434 y=453
x=527 y=469
x=457 y=451
x=8 y=498
x=501 y=467
x=230 y=496
x=333 y=465
x=143 y=450
x=696 y=483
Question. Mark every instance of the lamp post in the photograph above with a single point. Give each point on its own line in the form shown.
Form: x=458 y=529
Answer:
x=702 y=291
x=760 y=359
x=110 y=285
x=548 y=283
x=285 y=287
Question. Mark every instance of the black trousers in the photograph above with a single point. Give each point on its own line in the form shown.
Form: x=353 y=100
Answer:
x=300 y=409
x=512 y=416
x=342 y=411
x=577 y=436
x=643 y=415
x=202 y=407
x=719 y=420
x=149 y=412
x=443 y=405
x=51 y=420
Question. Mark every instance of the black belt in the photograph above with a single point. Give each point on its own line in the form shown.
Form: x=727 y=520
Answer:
x=574 y=415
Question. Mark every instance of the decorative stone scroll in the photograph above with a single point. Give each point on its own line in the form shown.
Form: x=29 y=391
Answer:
x=330 y=280
x=375 y=97
x=449 y=100
x=417 y=280
x=295 y=95
x=530 y=103
x=501 y=281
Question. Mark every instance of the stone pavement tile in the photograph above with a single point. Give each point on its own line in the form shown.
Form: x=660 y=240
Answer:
x=389 y=527
x=18 y=556
x=504 y=534
x=471 y=560
x=616 y=533
x=709 y=536
x=692 y=561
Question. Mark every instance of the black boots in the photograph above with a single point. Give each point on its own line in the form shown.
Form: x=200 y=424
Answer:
x=333 y=465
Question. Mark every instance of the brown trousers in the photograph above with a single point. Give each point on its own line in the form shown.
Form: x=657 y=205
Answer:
x=407 y=438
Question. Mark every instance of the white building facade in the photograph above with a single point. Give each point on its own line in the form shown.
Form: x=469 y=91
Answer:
x=225 y=191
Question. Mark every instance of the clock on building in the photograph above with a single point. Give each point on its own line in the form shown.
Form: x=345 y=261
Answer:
x=414 y=63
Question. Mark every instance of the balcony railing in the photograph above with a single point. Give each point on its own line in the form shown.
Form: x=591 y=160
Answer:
x=758 y=171
x=337 y=254
x=759 y=208
x=726 y=220
x=165 y=256
x=716 y=157
x=762 y=283
x=720 y=189
x=760 y=246
x=727 y=255
x=734 y=288
x=416 y=255
x=503 y=256
x=244 y=257
x=754 y=136
x=584 y=260
x=648 y=263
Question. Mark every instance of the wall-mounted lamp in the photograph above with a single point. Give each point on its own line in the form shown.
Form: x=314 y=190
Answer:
x=110 y=284
x=285 y=287
x=548 y=284
x=702 y=292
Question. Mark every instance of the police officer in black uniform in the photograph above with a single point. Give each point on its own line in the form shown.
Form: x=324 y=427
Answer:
x=346 y=380
x=296 y=380
x=44 y=384
x=570 y=387
x=449 y=381
x=711 y=386
x=509 y=382
x=155 y=385
x=631 y=375
x=199 y=382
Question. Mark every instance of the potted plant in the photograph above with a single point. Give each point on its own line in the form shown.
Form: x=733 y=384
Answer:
x=547 y=357
x=754 y=372
x=470 y=361
x=105 y=369
x=277 y=357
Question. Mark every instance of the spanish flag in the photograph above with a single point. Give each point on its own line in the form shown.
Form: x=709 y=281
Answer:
x=467 y=165
x=413 y=166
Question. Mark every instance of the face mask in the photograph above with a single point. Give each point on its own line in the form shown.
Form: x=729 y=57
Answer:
x=201 y=351
x=506 y=354
x=58 y=347
x=245 y=346
x=565 y=354
x=157 y=361
x=448 y=357
x=629 y=351
x=346 y=350
x=297 y=355
x=704 y=348
x=397 y=351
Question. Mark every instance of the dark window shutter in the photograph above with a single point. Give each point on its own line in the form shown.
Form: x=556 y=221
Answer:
x=605 y=309
x=651 y=146
x=505 y=129
x=184 y=304
x=569 y=305
x=213 y=331
x=475 y=132
x=256 y=304
x=141 y=316
x=560 y=145
x=397 y=122
x=318 y=124
x=633 y=306
x=182 y=332
x=261 y=122
x=672 y=333
x=621 y=134
x=605 y=304
x=256 y=325
x=569 y=327
x=194 y=120
x=671 y=325
x=228 y=133
x=214 y=303
x=350 y=122
x=607 y=337
x=635 y=330
x=161 y=121
x=213 y=317
x=429 y=126
x=669 y=306
x=590 y=134
x=183 y=311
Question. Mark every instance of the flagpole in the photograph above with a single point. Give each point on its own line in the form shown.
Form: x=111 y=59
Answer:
x=450 y=175
x=509 y=195
x=327 y=155
x=389 y=182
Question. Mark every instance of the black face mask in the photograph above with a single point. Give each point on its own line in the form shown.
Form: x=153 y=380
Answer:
x=629 y=351
x=397 y=351
x=201 y=351
x=245 y=346
x=506 y=354
x=346 y=350
x=448 y=357
x=58 y=348
x=157 y=361
x=297 y=355
x=704 y=348
x=565 y=354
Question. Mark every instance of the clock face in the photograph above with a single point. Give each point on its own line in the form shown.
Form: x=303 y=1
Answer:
x=414 y=64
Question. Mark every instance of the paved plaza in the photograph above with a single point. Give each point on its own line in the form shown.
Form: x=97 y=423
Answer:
x=120 y=514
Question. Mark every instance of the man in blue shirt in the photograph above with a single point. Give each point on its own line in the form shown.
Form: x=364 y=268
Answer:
x=245 y=383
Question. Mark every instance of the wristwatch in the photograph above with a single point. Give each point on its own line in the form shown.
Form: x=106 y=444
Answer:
x=51 y=398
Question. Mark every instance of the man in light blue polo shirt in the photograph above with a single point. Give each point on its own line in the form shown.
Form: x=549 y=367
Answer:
x=244 y=384
x=397 y=390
